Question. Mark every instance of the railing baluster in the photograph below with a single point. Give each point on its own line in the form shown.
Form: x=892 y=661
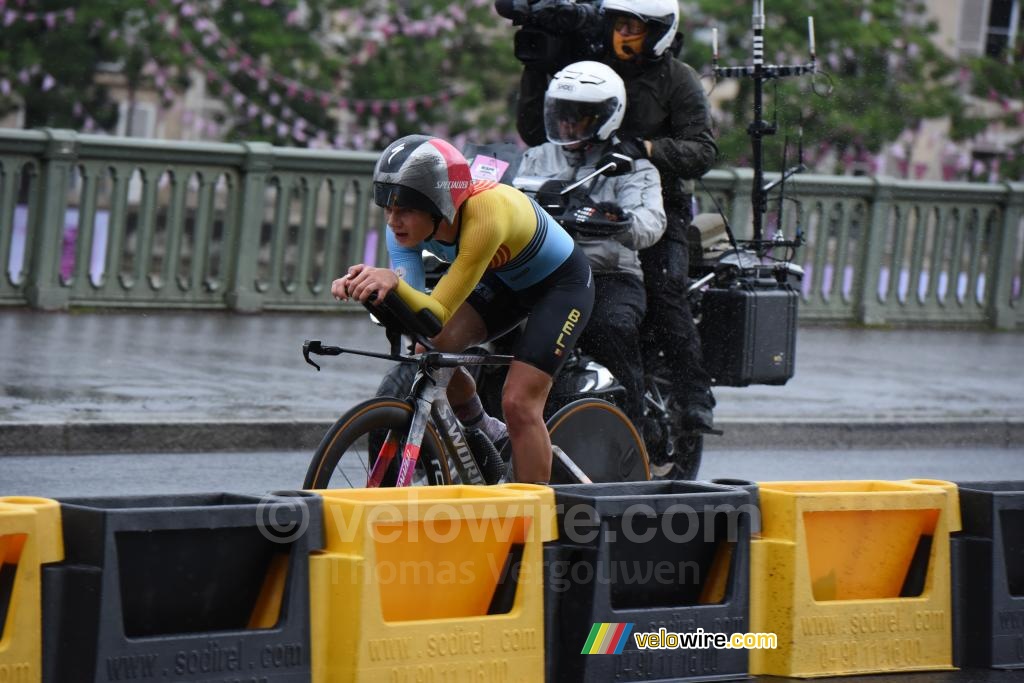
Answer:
x=917 y=256
x=175 y=232
x=201 y=235
x=9 y=178
x=935 y=271
x=332 y=242
x=977 y=247
x=817 y=296
x=894 y=300
x=956 y=258
x=116 y=223
x=146 y=225
x=279 y=231
x=81 y=283
x=307 y=229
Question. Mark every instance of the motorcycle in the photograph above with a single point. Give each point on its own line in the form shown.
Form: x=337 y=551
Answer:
x=721 y=273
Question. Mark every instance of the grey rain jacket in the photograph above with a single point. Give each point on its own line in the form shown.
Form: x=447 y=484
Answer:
x=638 y=192
x=665 y=103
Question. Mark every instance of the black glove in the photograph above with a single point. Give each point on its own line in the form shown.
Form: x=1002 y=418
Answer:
x=615 y=163
x=623 y=154
x=606 y=219
x=633 y=148
x=612 y=211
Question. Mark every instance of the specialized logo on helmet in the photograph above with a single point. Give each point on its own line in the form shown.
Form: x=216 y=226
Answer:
x=395 y=151
x=452 y=184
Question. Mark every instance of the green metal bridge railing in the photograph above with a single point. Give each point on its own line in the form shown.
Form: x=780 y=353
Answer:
x=95 y=221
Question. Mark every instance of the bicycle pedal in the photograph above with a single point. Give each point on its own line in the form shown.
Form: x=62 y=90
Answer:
x=661 y=471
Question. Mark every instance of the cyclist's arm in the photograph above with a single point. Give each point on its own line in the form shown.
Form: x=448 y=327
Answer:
x=407 y=262
x=480 y=236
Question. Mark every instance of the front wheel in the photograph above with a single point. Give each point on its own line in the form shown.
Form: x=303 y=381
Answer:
x=346 y=453
x=600 y=440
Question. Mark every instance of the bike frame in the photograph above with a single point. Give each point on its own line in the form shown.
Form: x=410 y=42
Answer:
x=429 y=396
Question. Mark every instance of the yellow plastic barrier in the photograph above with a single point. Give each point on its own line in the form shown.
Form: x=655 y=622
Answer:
x=853 y=576
x=431 y=583
x=30 y=536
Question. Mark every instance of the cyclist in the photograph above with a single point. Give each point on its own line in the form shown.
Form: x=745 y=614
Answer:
x=583 y=108
x=510 y=261
x=668 y=121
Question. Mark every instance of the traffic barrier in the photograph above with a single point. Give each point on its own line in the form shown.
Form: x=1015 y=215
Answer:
x=653 y=564
x=29 y=538
x=853 y=577
x=182 y=588
x=991 y=596
x=431 y=583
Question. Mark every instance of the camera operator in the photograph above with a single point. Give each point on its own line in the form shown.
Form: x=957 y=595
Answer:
x=583 y=107
x=667 y=121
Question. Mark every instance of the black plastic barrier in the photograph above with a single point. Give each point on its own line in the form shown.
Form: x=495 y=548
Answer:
x=204 y=587
x=644 y=563
x=991 y=566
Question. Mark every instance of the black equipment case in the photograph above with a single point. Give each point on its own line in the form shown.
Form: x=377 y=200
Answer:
x=748 y=332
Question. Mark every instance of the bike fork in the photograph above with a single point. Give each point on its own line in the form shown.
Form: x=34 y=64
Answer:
x=410 y=452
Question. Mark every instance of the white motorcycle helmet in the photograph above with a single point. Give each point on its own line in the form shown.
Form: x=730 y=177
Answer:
x=584 y=101
x=661 y=17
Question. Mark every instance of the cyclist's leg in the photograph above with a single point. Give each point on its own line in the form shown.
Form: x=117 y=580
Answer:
x=522 y=402
x=345 y=455
x=560 y=307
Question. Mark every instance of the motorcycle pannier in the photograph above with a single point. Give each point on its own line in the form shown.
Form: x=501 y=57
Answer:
x=748 y=332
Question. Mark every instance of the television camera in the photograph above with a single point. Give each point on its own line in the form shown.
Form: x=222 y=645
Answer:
x=554 y=33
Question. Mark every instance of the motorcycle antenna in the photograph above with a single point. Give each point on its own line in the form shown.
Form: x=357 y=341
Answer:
x=758 y=129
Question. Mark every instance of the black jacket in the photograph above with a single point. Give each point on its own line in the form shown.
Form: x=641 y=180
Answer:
x=665 y=103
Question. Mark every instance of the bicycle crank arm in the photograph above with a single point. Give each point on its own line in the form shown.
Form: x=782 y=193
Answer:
x=567 y=462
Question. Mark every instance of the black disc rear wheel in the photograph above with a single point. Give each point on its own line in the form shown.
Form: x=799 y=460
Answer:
x=600 y=440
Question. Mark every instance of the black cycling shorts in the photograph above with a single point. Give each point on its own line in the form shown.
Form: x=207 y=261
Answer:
x=556 y=310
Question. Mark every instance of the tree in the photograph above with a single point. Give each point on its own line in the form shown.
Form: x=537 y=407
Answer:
x=885 y=73
x=998 y=82
x=449 y=65
x=287 y=70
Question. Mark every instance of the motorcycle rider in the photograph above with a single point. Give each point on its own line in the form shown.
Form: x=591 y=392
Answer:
x=583 y=108
x=667 y=121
